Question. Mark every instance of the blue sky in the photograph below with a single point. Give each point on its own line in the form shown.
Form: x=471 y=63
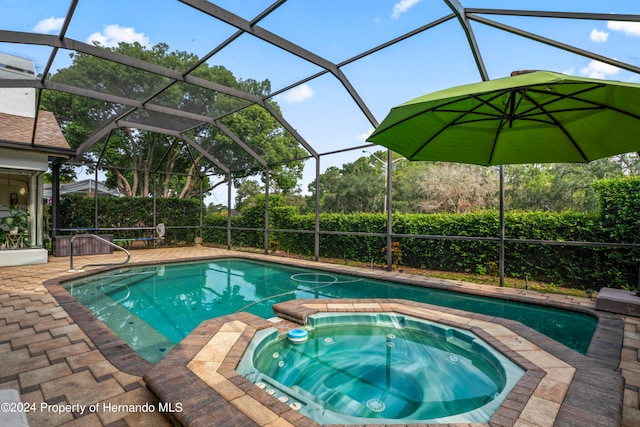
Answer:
x=321 y=110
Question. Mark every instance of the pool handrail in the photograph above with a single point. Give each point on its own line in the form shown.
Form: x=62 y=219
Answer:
x=100 y=264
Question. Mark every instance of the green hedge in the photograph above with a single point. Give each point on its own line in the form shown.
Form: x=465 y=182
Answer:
x=620 y=208
x=77 y=211
x=587 y=267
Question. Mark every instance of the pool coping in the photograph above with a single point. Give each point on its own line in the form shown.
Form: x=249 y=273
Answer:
x=601 y=360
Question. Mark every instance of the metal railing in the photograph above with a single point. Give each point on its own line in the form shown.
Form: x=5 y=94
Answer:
x=100 y=264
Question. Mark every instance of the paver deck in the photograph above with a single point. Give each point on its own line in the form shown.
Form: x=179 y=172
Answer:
x=64 y=377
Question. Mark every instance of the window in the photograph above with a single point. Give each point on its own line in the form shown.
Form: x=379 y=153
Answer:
x=18 y=208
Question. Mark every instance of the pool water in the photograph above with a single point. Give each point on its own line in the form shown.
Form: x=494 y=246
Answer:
x=381 y=368
x=154 y=308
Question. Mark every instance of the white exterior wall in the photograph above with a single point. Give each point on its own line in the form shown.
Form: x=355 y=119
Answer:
x=22 y=102
x=18 y=101
x=23 y=159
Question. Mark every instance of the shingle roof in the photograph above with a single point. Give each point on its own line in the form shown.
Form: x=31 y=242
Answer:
x=19 y=129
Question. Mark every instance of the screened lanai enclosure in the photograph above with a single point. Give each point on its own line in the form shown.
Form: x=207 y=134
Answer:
x=191 y=98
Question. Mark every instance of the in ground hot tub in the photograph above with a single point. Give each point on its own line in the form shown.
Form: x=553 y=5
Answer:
x=381 y=368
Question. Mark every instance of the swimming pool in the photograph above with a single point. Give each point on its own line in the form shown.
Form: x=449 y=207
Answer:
x=381 y=368
x=153 y=308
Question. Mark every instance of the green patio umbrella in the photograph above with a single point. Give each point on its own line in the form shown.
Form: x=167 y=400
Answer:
x=535 y=117
x=530 y=117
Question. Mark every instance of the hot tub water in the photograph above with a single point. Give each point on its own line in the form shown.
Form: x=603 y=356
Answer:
x=382 y=368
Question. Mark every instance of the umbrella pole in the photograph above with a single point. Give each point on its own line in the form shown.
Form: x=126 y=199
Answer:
x=502 y=232
x=388 y=211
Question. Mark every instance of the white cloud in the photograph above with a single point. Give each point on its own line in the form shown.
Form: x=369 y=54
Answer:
x=599 y=70
x=114 y=34
x=598 y=36
x=363 y=136
x=49 y=25
x=402 y=6
x=628 y=28
x=299 y=94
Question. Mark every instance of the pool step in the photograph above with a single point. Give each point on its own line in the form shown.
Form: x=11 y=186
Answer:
x=618 y=301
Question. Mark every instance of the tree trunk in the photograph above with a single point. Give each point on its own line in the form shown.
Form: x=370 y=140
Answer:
x=191 y=183
x=214 y=186
x=123 y=184
x=134 y=160
x=147 y=168
x=170 y=165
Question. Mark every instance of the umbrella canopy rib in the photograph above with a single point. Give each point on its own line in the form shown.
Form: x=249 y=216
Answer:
x=595 y=105
x=489 y=102
x=559 y=126
x=495 y=141
x=514 y=104
x=455 y=121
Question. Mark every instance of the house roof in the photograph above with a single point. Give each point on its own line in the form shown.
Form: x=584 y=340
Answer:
x=84 y=186
x=17 y=132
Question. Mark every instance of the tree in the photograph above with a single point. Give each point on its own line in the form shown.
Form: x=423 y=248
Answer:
x=262 y=132
x=67 y=175
x=559 y=186
x=132 y=154
x=417 y=186
x=407 y=197
x=630 y=163
x=456 y=187
x=356 y=187
x=246 y=191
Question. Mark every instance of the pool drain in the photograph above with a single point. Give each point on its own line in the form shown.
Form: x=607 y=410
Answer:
x=376 y=405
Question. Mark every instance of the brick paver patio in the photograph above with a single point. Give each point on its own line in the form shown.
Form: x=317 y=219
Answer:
x=66 y=380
